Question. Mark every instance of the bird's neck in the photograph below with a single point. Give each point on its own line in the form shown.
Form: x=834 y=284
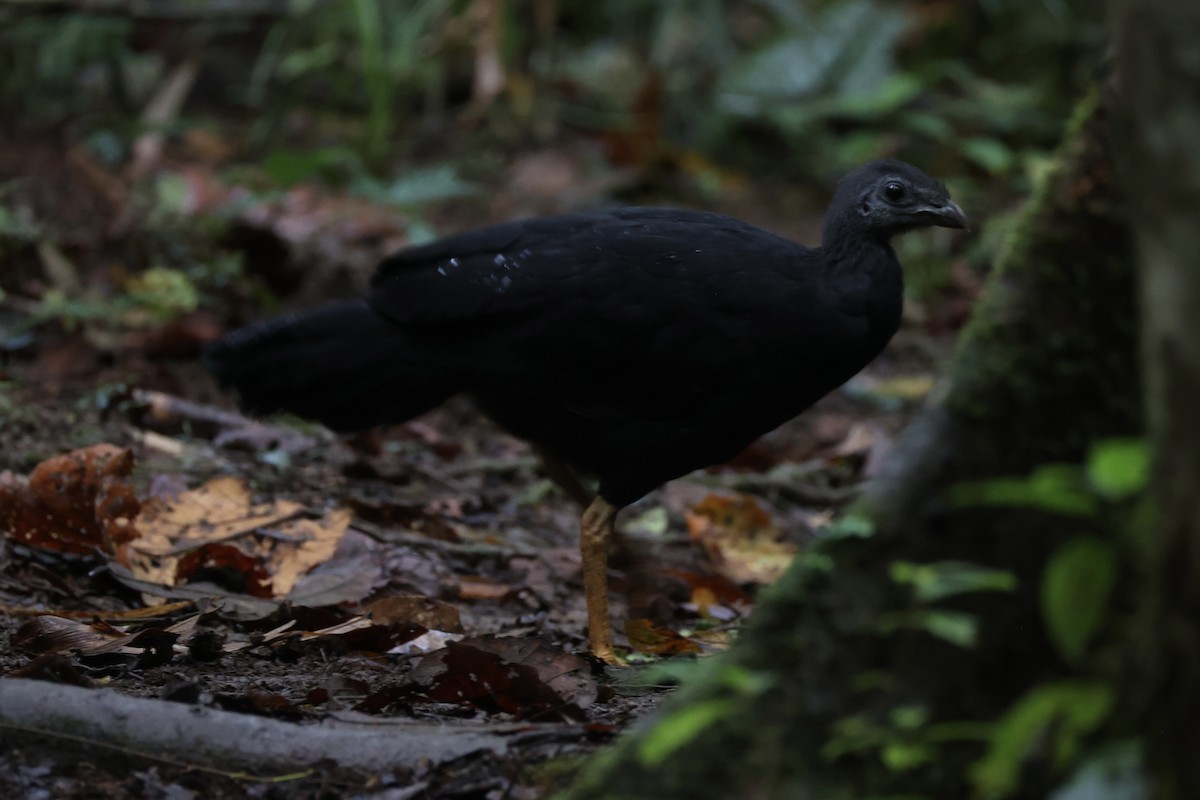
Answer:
x=850 y=252
x=864 y=278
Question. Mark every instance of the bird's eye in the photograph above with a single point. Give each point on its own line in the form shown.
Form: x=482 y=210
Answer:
x=894 y=191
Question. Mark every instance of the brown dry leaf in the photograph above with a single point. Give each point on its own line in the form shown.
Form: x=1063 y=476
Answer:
x=223 y=564
x=409 y=517
x=739 y=538
x=342 y=628
x=106 y=615
x=523 y=677
x=50 y=634
x=720 y=588
x=477 y=587
x=363 y=634
x=416 y=608
x=190 y=537
x=219 y=510
x=858 y=441
x=301 y=544
x=151 y=646
x=646 y=637
x=76 y=503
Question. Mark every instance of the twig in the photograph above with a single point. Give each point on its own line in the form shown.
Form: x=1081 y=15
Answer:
x=241 y=745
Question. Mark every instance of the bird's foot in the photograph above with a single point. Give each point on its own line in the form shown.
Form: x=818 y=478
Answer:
x=609 y=656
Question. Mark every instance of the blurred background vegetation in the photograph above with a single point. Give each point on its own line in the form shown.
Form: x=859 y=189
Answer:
x=450 y=113
x=171 y=168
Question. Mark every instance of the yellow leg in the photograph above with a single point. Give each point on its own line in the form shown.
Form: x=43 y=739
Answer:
x=598 y=524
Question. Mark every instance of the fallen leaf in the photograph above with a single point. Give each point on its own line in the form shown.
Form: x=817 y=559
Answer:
x=477 y=587
x=418 y=609
x=151 y=646
x=720 y=588
x=219 y=510
x=739 y=538
x=79 y=503
x=225 y=565
x=216 y=533
x=523 y=677
x=646 y=637
x=301 y=544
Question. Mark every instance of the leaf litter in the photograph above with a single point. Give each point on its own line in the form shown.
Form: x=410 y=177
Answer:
x=445 y=587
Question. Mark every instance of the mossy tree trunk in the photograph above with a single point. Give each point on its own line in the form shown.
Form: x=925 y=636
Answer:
x=847 y=682
x=1158 y=60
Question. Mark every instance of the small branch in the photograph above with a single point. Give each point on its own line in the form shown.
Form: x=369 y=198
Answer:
x=229 y=743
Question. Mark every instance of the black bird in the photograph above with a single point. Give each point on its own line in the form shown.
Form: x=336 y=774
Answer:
x=634 y=345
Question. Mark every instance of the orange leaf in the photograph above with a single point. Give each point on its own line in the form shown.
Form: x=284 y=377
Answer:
x=646 y=637
x=77 y=503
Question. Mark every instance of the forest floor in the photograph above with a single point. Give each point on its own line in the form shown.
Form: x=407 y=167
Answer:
x=156 y=544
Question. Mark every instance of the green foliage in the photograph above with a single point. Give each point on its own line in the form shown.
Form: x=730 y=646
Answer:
x=1076 y=586
x=1060 y=713
x=845 y=50
x=1079 y=577
x=147 y=298
x=933 y=582
x=685 y=723
x=681 y=727
x=416 y=188
x=1119 y=468
x=287 y=167
x=956 y=627
x=410 y=193
x=163 y=293
x=1056 y=488
x=801 y=88
x=850 y=526
x=42 y=57
x=905 y=740
x=939 y=581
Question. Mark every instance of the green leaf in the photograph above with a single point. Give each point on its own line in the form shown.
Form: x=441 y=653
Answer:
x=909 y=718
x=991 y=154
x=1067 y=711
x=172 y=195
x=1119 y=468
x=845 y=50
x=164 y=292
x=654 y=522
x=956 y=627
x=1076 y=586
x=933 y=582
x=418 y=187
x=905 y=756
x=850 y=526
x=680 y=728
x=287 y=168
x=1057 y=488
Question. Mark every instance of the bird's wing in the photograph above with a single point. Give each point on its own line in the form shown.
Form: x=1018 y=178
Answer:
x=529 y=264
x=639 y=312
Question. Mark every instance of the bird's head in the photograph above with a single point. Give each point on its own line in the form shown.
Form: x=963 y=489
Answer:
x=885 y=198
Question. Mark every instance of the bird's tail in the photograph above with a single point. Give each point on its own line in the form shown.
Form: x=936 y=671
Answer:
x=344 y=366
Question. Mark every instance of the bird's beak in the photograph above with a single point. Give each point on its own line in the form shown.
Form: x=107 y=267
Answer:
x=948 y=215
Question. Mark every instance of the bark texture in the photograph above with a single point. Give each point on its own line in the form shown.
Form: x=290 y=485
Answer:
x=812 y=699
x=1159 y=99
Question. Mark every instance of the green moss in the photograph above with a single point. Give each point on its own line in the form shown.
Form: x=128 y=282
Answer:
x=1045 y=367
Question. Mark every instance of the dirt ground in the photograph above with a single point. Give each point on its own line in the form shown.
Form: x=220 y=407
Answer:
x=456 y=538
x=191 y=569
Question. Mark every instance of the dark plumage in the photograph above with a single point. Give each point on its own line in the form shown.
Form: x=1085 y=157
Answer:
x=634 y=345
